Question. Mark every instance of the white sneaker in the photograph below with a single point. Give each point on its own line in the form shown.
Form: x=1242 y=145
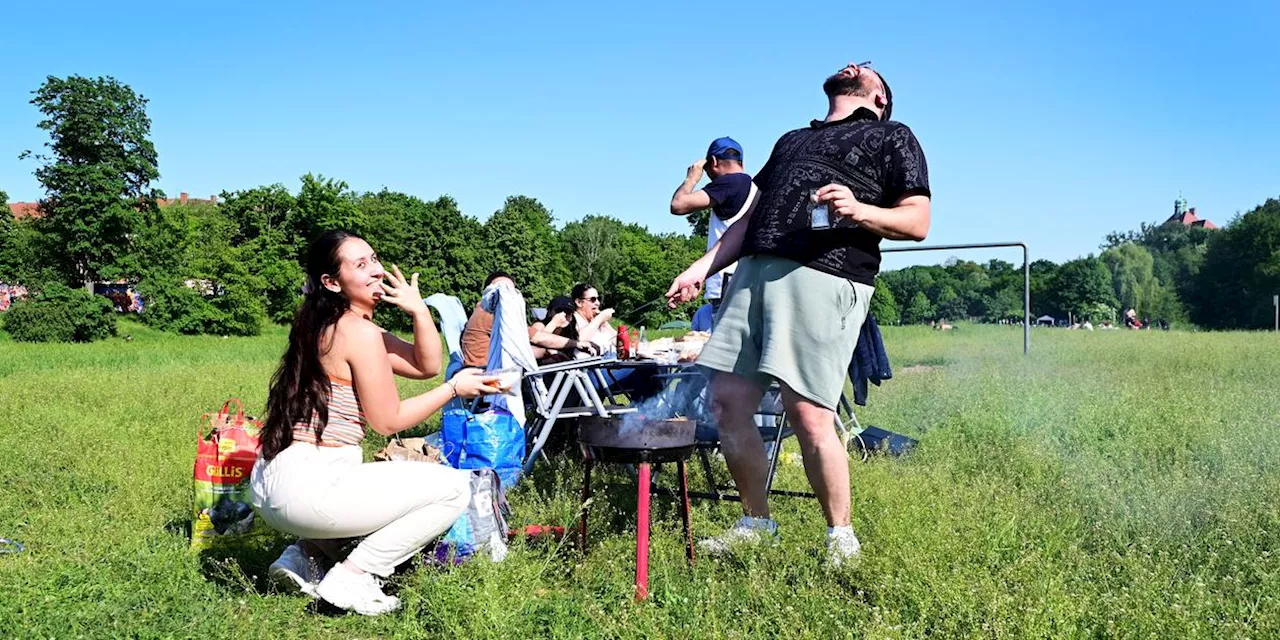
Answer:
x=359 y=592
x=294 y=570
x=842 y=547
x=747 y=532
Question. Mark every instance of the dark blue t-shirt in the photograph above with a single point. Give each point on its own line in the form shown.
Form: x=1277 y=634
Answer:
x=728 y=193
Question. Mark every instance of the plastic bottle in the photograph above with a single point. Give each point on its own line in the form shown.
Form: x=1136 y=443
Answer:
x=624 y=342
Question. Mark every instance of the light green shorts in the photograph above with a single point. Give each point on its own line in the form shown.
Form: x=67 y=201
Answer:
x=781 y=320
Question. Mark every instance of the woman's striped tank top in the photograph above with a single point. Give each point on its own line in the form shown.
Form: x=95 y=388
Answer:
x=346 y=419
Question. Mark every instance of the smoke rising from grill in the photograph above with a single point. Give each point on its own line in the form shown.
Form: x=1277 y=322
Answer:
x=685 y=399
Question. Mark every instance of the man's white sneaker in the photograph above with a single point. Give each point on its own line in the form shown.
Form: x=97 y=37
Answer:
x=359 y=592
x=294 y=570
x=747 y=532
x=842 y=547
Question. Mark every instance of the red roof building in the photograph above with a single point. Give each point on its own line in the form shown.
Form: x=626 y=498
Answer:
x=23 y=210
x=1188 y=216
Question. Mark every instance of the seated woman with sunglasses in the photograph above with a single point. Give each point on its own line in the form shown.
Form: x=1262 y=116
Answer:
x=336 y=378
x=592 y=323
x=593 y=326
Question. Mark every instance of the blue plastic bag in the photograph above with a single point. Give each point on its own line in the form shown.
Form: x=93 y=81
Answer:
x=489 y=440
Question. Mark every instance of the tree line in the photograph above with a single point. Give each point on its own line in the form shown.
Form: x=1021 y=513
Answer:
x=234 y=266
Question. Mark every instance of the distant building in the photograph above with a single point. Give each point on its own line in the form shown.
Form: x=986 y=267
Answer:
x=23 y=210
x=1188 y=216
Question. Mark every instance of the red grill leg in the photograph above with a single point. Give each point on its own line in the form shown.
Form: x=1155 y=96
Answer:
x=642 y=535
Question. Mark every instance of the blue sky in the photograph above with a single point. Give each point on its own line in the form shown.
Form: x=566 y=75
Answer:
x=1052 y=123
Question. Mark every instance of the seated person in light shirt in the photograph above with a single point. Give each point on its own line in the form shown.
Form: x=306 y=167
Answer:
x=475 y=337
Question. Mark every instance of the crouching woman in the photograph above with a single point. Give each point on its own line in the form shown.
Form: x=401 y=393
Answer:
x=336 y=377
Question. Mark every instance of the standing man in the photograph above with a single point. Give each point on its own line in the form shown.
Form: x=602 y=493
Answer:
x=809 y=253
x=729 y=195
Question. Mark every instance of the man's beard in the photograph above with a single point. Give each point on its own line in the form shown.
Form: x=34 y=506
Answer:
x=845 y=85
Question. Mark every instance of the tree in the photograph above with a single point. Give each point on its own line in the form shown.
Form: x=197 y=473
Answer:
x=1044 y=300
x=918 y=310
x=1132 y=275
x=324 y=204
x=593 y=243
x=207 y=282
x=883 y=305
x=1241 y=272
x=97 y=174
x=700 y=223
x=1082 y=285
x=950 y=305
x=520 y=240
x=1006 y=305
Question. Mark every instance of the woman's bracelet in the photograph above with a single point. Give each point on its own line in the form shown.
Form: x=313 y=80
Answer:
x=453 y=387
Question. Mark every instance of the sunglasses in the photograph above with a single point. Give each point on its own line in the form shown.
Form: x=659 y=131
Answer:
x=592 y=299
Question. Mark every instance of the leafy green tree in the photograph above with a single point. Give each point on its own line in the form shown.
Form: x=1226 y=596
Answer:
x=260 y=222
x=1044 y=299
x=323 y=204
x=883 y=305
x=97 y=173
x=918 y=310
x=592 y=246
x=950 y=305
x=202 y=280
x=1081 y=285
x=700 y=223
x=1241 y=272
x=1133 y=276
x=1006 y=304
x=519 y=239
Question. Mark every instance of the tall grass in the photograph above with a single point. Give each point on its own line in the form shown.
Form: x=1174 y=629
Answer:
x=1110 y=484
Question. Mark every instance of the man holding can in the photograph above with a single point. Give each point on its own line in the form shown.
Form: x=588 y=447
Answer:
x=808 y=254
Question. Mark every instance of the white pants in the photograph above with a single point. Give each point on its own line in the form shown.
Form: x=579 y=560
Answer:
x=325 y=493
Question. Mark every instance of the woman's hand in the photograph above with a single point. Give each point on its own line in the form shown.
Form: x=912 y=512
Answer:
x=557 y=322
x=471 y=383
x=403 y=293
x=604 y=316
x=589 y=348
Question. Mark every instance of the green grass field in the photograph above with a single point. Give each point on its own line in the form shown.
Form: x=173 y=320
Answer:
x=1110 y=484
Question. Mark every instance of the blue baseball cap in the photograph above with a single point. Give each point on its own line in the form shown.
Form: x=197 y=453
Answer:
x=720 y=146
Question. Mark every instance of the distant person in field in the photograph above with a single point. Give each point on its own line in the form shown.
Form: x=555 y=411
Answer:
x=808 y=253
x=336 y=378
x=729 y=195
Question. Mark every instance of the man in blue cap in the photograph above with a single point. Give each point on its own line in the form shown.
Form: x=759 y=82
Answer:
x=729 y=196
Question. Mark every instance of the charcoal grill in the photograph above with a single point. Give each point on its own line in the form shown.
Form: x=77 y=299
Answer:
x=632 y=439
x=636 y=440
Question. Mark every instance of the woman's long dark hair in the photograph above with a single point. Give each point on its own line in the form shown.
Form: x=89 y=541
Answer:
x=580 y=290
x=300 y=387
x=561 y=304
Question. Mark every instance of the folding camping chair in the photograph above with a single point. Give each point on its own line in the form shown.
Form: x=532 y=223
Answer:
x=548 y=389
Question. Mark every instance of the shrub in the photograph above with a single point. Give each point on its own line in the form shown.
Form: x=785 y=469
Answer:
x=60 y=314
x=231 y=309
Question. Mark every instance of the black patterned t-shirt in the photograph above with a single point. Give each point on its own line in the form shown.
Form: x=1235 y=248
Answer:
x=881 y=162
